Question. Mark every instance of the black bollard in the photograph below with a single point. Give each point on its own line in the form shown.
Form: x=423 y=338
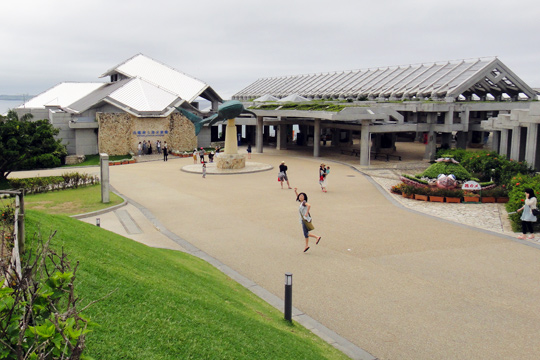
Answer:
x=288 y=297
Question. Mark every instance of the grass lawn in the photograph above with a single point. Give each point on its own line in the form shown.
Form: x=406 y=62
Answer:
x=94 y=160
x=167 y=304
x=71 y=201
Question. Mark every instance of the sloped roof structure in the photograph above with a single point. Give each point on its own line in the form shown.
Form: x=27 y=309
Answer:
x=61 y=95
x=449 y=81
x=266 y=98
x=294 y=98
x=140 y=86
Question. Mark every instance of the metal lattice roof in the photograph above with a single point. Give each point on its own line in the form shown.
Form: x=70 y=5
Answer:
x=450 y=81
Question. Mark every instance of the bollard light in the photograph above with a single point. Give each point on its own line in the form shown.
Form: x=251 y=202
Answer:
x=98 y=222
x=288 y=297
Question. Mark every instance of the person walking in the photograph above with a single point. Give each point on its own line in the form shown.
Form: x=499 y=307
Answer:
x=195 y=156
x=149 y=147
x=305 y=218
x=158 y=146
x=201 y=155
x=283 y=174
x=144 y=148
x=528 y=217
x=249 y=151
x=139 y=148
x=203 y=169
x=322 y=177
x=165 y=151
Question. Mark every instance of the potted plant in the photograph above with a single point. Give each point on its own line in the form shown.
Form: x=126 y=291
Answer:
x=501 y=194
x=437 y=195
x=469 y=196
x=397 y=189
x=421 y=193
x=407 y=191
x=453 y=195
x=488 y=196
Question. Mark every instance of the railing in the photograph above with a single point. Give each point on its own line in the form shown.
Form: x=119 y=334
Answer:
x=18 y=232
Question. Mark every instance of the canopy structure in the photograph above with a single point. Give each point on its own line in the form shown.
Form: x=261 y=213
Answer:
x=266 y=97
x=293 y=98
x=476 y=79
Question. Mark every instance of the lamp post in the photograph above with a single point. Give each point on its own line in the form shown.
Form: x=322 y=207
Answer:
x=288 y=297
x=98 y=222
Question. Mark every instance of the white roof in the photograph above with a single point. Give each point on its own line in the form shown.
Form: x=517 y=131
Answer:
x=293 y=98
x=61 y=95
x=267 y=97
x=444 y=80
x=152 y=71
x=140 y=95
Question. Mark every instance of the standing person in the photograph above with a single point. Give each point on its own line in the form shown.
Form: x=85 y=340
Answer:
x=149 y=147
x=195 y=156
x=201 y=155
x=305 y=218
x=527 y=218
x=283 y=174
x=158 y=146
x=211 y=156
x=139 y=148
x=203 y=169
x=322 y=177
x=144 y=148
x=165 y=151
x=249 y=151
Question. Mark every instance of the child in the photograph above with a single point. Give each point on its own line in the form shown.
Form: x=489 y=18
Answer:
x=204 y=169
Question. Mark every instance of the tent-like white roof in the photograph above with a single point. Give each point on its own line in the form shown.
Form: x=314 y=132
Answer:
x=61 y=95
x=185 y=86
x=293 y=98
x=450 y=81
x=140 y=86
x=266 y=97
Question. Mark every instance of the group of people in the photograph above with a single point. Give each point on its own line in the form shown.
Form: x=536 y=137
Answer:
x=198 y=155
x=145 y=148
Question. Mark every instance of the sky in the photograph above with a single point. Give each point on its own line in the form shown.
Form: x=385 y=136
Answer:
x=230 y=44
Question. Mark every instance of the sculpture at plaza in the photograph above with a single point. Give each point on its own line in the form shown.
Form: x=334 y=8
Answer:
x=228 y=111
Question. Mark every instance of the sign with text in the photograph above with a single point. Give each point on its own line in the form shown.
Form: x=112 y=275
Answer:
x=471 y=185
x=151 y=133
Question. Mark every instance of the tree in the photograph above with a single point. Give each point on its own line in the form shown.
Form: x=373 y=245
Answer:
x=26 y=144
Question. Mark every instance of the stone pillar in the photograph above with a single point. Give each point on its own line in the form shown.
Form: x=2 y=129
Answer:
x=259 y=135
x=446 y=139
x=449 y=117
x=462 y=139
x=515 y=143
x=231 y=140
x=317 y=138
x=104 y=169
x=495 y=141
x=504 y=143
x=336 y=133
x=431 y=146
x=365 y=143
x=281 y=141
x=532 y=144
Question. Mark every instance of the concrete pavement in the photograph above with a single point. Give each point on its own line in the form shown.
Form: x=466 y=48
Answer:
x=392 y=281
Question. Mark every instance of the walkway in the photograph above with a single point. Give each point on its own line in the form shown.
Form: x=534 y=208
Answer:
x=397 y=283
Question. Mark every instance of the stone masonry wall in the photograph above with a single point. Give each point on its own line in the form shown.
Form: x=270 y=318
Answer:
x=120 y=133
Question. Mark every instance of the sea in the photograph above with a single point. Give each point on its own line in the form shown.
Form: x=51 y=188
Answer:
x=5 y=105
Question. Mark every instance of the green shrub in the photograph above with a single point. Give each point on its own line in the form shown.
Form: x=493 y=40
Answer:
x=446 y=168
x=516 y=195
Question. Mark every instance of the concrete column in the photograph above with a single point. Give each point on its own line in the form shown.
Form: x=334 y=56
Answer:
x=515 y=143
x=104 y=169
x=281 y=141
x=462 y=139
x=504 y=142
x=365 y=143
x=449 y=117
x=495 y=141
x=317 y=138
x=259 y=135
x=532 y=144
x=431 y=146
x=231 y=139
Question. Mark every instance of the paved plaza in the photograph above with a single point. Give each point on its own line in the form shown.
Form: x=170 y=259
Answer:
x=398 y=278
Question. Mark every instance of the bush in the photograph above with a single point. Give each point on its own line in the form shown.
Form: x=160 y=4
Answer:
x=446 y=168
x=518 y=184
x=44 y=184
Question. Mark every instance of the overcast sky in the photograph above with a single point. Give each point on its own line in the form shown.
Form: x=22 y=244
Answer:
x=230 y=44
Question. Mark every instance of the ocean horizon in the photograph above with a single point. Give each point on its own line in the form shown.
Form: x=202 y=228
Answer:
x=6 y=105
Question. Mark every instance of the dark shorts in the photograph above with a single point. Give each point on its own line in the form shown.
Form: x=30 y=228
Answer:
x=305 y=230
